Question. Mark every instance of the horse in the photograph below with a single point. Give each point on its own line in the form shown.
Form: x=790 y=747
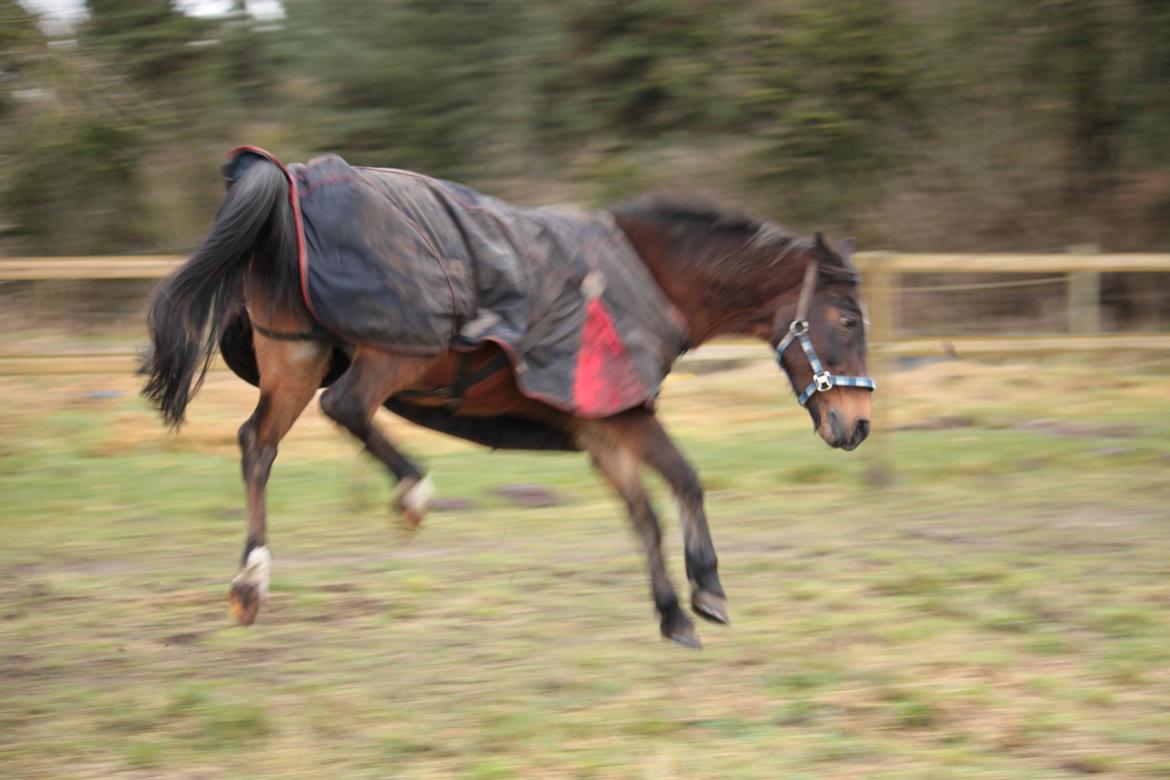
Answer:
x=714 y=271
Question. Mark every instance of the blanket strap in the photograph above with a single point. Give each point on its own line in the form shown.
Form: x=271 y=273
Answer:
x=279 y=335
x=465 y=379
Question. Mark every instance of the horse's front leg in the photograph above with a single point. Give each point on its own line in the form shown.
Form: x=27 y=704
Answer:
x=644 y=435
x=290 y=373
x=621 y=467
x=707 y=596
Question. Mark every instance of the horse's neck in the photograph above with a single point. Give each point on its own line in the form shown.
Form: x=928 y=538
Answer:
x=714 y=301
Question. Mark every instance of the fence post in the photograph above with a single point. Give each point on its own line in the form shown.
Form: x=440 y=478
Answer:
x=878 y=288
x=1084 y=296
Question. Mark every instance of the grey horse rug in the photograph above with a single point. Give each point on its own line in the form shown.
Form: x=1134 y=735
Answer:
x=418 y=265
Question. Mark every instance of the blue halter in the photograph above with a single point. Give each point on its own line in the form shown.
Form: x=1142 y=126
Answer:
x=823 y=379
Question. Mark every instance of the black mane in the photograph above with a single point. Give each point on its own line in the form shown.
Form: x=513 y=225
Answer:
x=689 y=209
x=727 y=238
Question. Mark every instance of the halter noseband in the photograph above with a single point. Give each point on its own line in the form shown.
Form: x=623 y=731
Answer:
x=823 y=379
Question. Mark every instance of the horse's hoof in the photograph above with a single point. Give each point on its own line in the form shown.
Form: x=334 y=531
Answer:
x=250 y=586
x=413 y=500
x=710 y=607
x=678 y=628
x=244 y=602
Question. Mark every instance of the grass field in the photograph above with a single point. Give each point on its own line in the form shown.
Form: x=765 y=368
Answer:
x=998 y=610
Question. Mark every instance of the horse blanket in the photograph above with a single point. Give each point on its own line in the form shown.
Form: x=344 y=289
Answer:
x=418 y=265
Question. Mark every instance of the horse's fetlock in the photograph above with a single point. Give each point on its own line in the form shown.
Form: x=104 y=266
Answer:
x=666 y=603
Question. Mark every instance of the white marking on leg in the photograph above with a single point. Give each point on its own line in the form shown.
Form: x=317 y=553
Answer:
x=256 y=570
x=415 y=496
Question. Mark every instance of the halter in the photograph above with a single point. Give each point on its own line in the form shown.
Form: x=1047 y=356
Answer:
x=823 y=380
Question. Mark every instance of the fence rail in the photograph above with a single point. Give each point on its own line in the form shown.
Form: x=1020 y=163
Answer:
x=1013 y=263
x=881 y=271
x=41 y=269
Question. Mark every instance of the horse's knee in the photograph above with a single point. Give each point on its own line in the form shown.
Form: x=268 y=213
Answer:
x=684 y=482
x=690 y=489
x=330 y=403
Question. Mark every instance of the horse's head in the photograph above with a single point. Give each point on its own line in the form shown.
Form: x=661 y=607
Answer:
x=729 y=273
x=820 y=345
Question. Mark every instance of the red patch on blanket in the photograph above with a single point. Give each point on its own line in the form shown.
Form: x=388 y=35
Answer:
x=606 y=381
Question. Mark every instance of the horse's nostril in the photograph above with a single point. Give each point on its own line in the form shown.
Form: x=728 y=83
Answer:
x=838 y=433
x=861 y=431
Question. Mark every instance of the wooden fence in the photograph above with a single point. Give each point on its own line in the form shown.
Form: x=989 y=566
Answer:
x=882 y=272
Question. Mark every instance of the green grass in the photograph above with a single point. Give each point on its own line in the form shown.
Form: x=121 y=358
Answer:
x=998 y=610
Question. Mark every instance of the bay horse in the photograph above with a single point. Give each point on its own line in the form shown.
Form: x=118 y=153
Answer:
x=725 y=273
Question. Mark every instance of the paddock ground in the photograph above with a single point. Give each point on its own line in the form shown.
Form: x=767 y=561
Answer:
x=997 y=610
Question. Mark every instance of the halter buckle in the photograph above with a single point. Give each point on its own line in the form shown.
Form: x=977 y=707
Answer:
x=823 y=381
x=798 y=327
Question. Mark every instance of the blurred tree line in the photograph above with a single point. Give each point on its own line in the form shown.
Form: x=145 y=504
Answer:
x=915 y=124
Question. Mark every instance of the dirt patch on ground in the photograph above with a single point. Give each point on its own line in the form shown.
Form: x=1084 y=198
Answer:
x=1047 y=427
x=530 y=495
x=937 y=424
x=452 y=504
x=1063 y=429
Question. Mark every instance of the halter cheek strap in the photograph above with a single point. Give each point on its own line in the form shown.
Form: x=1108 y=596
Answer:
x=823 y=379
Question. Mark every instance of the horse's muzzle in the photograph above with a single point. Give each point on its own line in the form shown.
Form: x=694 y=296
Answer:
x=844 y=437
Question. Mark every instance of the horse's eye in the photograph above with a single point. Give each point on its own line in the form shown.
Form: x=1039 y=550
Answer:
x=849 y=322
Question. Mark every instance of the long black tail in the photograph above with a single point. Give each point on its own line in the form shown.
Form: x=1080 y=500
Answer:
x=190 y=309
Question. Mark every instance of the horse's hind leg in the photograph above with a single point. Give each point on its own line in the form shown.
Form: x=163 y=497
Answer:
x=372 y=377
x=621 y=466
x=290 y=373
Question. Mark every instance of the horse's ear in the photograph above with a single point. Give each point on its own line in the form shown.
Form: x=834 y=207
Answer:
x=834 y=255
x=845 y=246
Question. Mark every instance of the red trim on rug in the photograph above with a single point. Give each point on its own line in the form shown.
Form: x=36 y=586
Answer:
x=294 y=201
